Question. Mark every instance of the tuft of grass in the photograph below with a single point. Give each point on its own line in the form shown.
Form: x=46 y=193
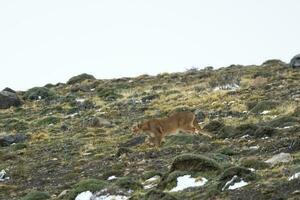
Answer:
x=92 y=185
x=79 y=78
x=128 y=183
x=194 y=162
x=36 y=195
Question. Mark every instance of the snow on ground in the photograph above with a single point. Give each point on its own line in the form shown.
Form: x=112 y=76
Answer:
x=111 y=178
x=265 y=112
x=3 y=175
x=80 y=100
x=112 y=197
x=187 y=181
x=254 y=147
x=84 y=196
x=240 y=184
x=297 y=175
x=236 y=185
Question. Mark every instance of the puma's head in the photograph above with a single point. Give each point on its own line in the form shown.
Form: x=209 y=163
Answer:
x=139 y=128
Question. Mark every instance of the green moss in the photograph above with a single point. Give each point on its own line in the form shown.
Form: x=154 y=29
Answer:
x=128 y=183
x=108 y=94
x=38 y=93
x=15 y=125
x=48 y=120
x=254 y=163
x=92 y=185
x=264 y=105
x=227 y=151
x=194 y=162
x=36 y=195
x=239 y=171
x=157 y=194
x=283 y=121
x=182 y=139
x=80 y=78
x=19 y=146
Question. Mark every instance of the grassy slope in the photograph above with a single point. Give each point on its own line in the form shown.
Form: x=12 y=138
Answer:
x=54 y=159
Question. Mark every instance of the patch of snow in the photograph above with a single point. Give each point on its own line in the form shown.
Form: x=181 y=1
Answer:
x=287 y=127
x=240 y=184
x=187 y=181
x=232 y=87
x=254 y=147
x=111 y=178
x=80 y=100
x=72 y=115
x=265 y=112
x=295 y=176
x=84 y=196
x=111 y=197
x=2 y=175
x=245 y=136
x=236 y=185
x=93 y=89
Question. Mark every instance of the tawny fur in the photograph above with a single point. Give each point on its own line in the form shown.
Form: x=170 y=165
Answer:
x=157 y=129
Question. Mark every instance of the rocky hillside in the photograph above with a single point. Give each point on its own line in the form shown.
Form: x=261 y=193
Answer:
x=74 y=139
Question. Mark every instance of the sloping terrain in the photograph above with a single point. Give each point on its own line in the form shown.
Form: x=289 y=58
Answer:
x=70 y=138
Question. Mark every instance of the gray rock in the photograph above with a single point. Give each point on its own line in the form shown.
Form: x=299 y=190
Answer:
x=8 y=99
x=7 y=89
x=98 y=122
x=295 y=62
x=280 y=158
x=10 y=139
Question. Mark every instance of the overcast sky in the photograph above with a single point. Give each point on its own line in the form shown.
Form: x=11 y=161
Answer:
x=50 y=41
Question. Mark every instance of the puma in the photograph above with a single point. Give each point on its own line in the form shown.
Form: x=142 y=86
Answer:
x=158 y=128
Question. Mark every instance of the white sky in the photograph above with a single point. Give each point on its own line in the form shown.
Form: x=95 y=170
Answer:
x=50 y=41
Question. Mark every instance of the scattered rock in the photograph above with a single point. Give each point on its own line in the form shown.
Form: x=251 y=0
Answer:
x=295 y=62
x=280 y=158
x=7 y=89
x=8 y=99
x=151 y=182
x=98 y=122
x=10 y=139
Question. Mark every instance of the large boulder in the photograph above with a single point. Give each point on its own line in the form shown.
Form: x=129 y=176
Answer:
x=10 y=139
x=8 y=99
x=295 y=62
